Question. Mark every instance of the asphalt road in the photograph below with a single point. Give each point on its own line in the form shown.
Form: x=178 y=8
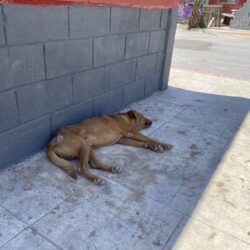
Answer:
x=219 y=53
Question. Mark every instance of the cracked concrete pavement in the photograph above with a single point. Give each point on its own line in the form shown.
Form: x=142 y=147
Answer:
x=197 y=196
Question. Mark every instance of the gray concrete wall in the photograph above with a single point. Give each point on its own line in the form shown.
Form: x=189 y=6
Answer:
x=242 y=18
x=59 y=65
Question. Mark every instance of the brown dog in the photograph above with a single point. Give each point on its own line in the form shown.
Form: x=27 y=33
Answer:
x=80 y=141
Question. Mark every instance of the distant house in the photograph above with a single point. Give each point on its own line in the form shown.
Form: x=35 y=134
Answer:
x=228 y=5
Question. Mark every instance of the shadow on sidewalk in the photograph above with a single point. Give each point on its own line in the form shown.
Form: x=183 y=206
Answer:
x=149 y=205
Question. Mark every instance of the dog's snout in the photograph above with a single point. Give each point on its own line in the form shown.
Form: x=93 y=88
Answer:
x=148 y=122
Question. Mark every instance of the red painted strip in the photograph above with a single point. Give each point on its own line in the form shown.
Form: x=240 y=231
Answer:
x=159 y=4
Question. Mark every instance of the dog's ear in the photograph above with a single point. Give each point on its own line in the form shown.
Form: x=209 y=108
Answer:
x=131 y=114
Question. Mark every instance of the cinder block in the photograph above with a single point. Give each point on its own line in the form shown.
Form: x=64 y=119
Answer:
x=150 y=19
x=159 y=62
x=115 y=100
x=241 y=12
x=89 y=84
x=19 y=65
x=38 y=99
x=134 y=91
x=236 y=16
x=152 y=84
x=59 y=92
x=109 y=102
x=8 y=110
x=32 y=101
x=108 y=49
x=124 y=20
x=2 y=37
x=68 y=57
x=244 y=12
x=137 y=44
x=101 y=104
x=27 y=23
x=72 y=114
x=146 y=65
x=41 y=98
x=157 y=41
x=234 y=24
x=164 y=19
x=122 y=73
x=88 y=21
x=24 y=140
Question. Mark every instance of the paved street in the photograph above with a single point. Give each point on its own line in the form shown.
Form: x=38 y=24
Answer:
x=220 y=53
x=196 y=196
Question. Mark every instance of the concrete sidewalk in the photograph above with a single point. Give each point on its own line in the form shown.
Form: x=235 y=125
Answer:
x=196 y=196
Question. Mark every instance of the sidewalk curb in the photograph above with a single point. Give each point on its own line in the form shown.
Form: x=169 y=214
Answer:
x=231 y=32
x=216 y=30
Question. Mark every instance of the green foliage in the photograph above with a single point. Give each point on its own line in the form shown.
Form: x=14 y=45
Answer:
x=196 y=19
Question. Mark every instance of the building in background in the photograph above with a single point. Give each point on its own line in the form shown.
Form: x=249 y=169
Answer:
x=228 y=5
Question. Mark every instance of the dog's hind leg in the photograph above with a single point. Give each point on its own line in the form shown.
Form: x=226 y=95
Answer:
x=60 y=162
x=95 y=163
x=84 y=156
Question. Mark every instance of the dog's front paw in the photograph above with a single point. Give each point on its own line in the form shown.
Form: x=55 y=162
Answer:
x=167 y=146
x=116 y=170
x=154 y=147
x=158 y=148
x=99 y=181
x=72 y=174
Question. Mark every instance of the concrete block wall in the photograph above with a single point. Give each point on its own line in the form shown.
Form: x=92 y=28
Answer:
x=242 y=18
x=62 y=64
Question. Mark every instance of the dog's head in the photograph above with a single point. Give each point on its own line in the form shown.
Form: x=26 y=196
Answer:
x=139 y=120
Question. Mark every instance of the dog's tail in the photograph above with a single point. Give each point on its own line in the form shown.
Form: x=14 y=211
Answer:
x=60 y=162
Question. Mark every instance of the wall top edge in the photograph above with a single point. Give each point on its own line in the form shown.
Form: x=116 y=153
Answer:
x=147 y=4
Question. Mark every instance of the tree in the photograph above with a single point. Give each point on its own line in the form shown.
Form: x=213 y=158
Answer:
x=196 y=19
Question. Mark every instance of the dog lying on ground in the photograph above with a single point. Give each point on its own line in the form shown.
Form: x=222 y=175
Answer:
x=79 y=141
